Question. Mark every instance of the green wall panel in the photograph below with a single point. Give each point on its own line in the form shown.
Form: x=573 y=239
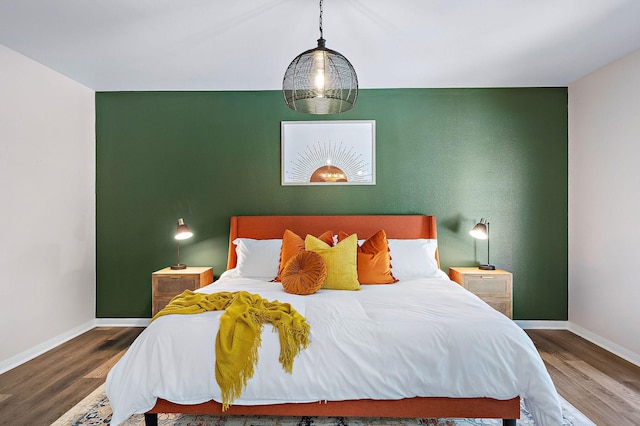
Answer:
x=459 y=154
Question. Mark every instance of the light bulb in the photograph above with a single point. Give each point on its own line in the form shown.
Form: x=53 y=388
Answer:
x=319 y=74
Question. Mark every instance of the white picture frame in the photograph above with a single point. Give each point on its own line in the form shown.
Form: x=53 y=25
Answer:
x=328 y=152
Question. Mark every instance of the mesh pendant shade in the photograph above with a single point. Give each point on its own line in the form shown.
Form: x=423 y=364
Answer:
x=320 y=81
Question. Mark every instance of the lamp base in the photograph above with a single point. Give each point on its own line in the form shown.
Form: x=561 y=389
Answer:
x=487 y=267
x=179 y=266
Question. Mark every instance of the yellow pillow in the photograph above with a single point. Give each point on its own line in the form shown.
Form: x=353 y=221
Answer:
x=341 y=260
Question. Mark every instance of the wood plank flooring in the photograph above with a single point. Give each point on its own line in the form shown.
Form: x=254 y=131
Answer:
x=40 y=391
x=601 y=385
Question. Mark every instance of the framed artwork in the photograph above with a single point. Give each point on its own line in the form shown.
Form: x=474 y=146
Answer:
x=328 y=152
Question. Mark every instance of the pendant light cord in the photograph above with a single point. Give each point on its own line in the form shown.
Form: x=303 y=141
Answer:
x=321 y=19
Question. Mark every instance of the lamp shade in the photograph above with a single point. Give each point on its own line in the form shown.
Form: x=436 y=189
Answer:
x=480 y=230
x=182 y=231
x=320 y=81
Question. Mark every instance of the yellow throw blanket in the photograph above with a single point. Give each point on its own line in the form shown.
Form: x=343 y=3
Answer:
x=240 y=332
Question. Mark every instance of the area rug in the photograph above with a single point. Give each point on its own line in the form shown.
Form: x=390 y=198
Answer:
x=94 y=410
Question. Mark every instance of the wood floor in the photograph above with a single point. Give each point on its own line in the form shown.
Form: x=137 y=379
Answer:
x=601 y=385
x=38 y=392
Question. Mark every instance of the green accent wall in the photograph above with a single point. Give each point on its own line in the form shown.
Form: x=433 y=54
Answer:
x=458 y=154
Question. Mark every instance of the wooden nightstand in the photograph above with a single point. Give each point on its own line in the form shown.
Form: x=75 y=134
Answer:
x=494 y=287
x=167 y=283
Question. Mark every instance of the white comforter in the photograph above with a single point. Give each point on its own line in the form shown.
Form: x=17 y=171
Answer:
x=422 y=337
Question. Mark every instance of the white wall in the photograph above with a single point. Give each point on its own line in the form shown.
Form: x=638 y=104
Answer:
x=604 y=207
x=47 y=208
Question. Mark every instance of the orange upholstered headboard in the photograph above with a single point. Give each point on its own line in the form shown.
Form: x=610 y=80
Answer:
x=271 y=227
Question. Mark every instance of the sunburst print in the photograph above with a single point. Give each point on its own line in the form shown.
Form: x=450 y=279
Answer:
x=328 y=152
x=329 y=162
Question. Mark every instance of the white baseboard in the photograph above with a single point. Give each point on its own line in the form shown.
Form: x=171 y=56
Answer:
x=122 y=322
x=544 y=325
x=612 y=347
x=37 y=350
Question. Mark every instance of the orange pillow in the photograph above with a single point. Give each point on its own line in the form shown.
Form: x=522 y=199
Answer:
x=304 y=273
x=292 y=244
x=374 y=260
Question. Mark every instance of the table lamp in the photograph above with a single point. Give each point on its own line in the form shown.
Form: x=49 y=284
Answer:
x=182 y=233
x=481 y=232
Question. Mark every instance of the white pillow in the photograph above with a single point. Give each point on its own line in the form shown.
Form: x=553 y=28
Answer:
x=414 y=258
x=257 y=258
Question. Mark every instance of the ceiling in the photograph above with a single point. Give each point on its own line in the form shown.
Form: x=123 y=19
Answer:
x=122 y=45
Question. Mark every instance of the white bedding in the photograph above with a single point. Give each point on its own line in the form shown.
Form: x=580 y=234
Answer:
x=418 y=337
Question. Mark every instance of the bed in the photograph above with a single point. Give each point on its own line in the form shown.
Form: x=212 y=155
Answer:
x=466 y=360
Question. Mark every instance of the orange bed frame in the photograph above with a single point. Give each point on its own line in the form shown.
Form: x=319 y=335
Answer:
x=399 y=226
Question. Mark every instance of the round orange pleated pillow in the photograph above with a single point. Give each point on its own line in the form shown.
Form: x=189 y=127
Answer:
x=304 y=273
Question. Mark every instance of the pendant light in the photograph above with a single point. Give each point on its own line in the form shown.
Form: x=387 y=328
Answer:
x=320 y=81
